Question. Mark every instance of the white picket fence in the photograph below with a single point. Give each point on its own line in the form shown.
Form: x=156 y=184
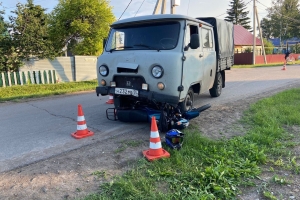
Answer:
x=27 y=77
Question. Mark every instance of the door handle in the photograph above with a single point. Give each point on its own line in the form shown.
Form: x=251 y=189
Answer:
x=200 y=55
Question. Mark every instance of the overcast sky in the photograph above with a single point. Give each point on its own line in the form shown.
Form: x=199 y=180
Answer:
x=193 y=8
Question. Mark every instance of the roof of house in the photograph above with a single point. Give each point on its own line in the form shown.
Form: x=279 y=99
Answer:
x=243 y=37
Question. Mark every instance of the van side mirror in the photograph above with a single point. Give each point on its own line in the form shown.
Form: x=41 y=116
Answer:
x=104 y=42
x=194 y=42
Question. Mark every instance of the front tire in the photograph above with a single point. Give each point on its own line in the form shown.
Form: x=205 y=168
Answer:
x=188 y=102
x=216 y=90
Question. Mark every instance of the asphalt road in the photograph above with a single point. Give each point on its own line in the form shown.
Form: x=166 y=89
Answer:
x=41 y=128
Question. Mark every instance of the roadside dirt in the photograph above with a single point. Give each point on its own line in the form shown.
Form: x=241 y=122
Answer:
x=79 y=172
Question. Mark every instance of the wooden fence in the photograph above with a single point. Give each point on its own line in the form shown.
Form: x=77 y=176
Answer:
x=27 y=77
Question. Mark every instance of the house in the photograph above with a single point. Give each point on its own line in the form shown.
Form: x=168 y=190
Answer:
x=243 y=40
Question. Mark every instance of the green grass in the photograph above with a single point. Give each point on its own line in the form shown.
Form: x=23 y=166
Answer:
x=207 y=169
x=42 y=90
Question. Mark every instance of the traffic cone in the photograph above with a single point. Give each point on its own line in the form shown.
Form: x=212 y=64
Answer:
x=111 y=99
x=82 y=130
x=284 y=66
x=155 y=151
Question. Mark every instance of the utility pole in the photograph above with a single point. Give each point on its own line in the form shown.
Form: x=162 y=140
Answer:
x=261 y=38
x=172 y=9
x=163 y=7
x=163 y=3
x=156 y=7
x=254 y=32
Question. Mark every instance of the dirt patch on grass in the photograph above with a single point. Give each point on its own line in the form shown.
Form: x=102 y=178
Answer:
x=78 y=173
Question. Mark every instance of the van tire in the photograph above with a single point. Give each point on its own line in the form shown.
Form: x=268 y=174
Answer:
x=188 y=102
x=216 y=90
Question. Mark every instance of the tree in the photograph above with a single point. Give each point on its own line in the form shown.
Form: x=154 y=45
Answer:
x=8 y=59
x=283 y=20
x=267 y=28
x=237 y=14
x=81 y=25
x=3 y=25
x=296 y=48
x=268 y=46
x=29 y=31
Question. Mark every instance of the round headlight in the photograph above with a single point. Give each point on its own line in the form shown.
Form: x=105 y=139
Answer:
x=157 y=71
x=103 y=70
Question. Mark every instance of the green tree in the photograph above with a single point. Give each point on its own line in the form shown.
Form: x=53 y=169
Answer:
x=283 y=20
x=267 y=28
x=268 y=46
x=3 y=25
x=296 y=48
x=81 y=25
x=6 y=61
x=237 y=14
x=29 y=30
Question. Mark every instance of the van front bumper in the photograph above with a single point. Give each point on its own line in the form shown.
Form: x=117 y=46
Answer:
x=105 y=90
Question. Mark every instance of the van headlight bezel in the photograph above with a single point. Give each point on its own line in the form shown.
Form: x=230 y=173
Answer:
x=103 y=70
x=157 y=71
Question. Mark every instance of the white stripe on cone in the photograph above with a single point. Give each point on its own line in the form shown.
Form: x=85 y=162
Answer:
x=81 y=127
x=80 y=118
x=155 y=145
x=154 y=134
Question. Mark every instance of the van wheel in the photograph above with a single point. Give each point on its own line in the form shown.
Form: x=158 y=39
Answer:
x=188 y=103
x=216 y=90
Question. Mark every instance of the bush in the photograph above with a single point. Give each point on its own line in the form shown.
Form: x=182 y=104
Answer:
x=268 y=46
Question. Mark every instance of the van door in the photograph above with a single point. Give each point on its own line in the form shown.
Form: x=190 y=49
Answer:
x=209 y=58
x=192 y=65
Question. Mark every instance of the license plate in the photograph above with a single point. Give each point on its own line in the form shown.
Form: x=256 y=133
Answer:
x=126 y=91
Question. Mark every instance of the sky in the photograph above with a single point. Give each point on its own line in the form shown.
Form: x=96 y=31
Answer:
x=193 y=8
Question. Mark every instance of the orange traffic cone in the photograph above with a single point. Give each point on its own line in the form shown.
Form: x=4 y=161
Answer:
x=155 y=151
x=82 y=130
x=284 y=66
x=111 y=99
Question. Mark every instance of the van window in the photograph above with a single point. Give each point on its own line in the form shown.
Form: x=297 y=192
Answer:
x=207 y=38
x=118 y=41
x=158 y=36
x=190 y=30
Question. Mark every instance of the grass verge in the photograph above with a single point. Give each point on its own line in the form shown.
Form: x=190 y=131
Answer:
x=207 y=169
x=32 y=91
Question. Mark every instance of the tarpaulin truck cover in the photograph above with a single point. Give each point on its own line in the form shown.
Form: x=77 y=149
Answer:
x=223 y=34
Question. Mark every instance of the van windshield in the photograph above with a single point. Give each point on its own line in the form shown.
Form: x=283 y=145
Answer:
x=158 y=36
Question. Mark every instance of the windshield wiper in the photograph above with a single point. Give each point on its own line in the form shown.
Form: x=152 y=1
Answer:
x=146 y=46
x=124 y=47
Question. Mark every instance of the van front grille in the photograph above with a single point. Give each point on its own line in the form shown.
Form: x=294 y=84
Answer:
x=133 y=82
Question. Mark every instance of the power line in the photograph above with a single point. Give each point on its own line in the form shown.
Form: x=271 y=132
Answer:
x=125 y=10
x=221 y=15
x=187 y=11
x=248 y=2
x=261 y=4
x=139 y=8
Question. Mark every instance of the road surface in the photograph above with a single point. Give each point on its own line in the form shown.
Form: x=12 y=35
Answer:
x=33 y=130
